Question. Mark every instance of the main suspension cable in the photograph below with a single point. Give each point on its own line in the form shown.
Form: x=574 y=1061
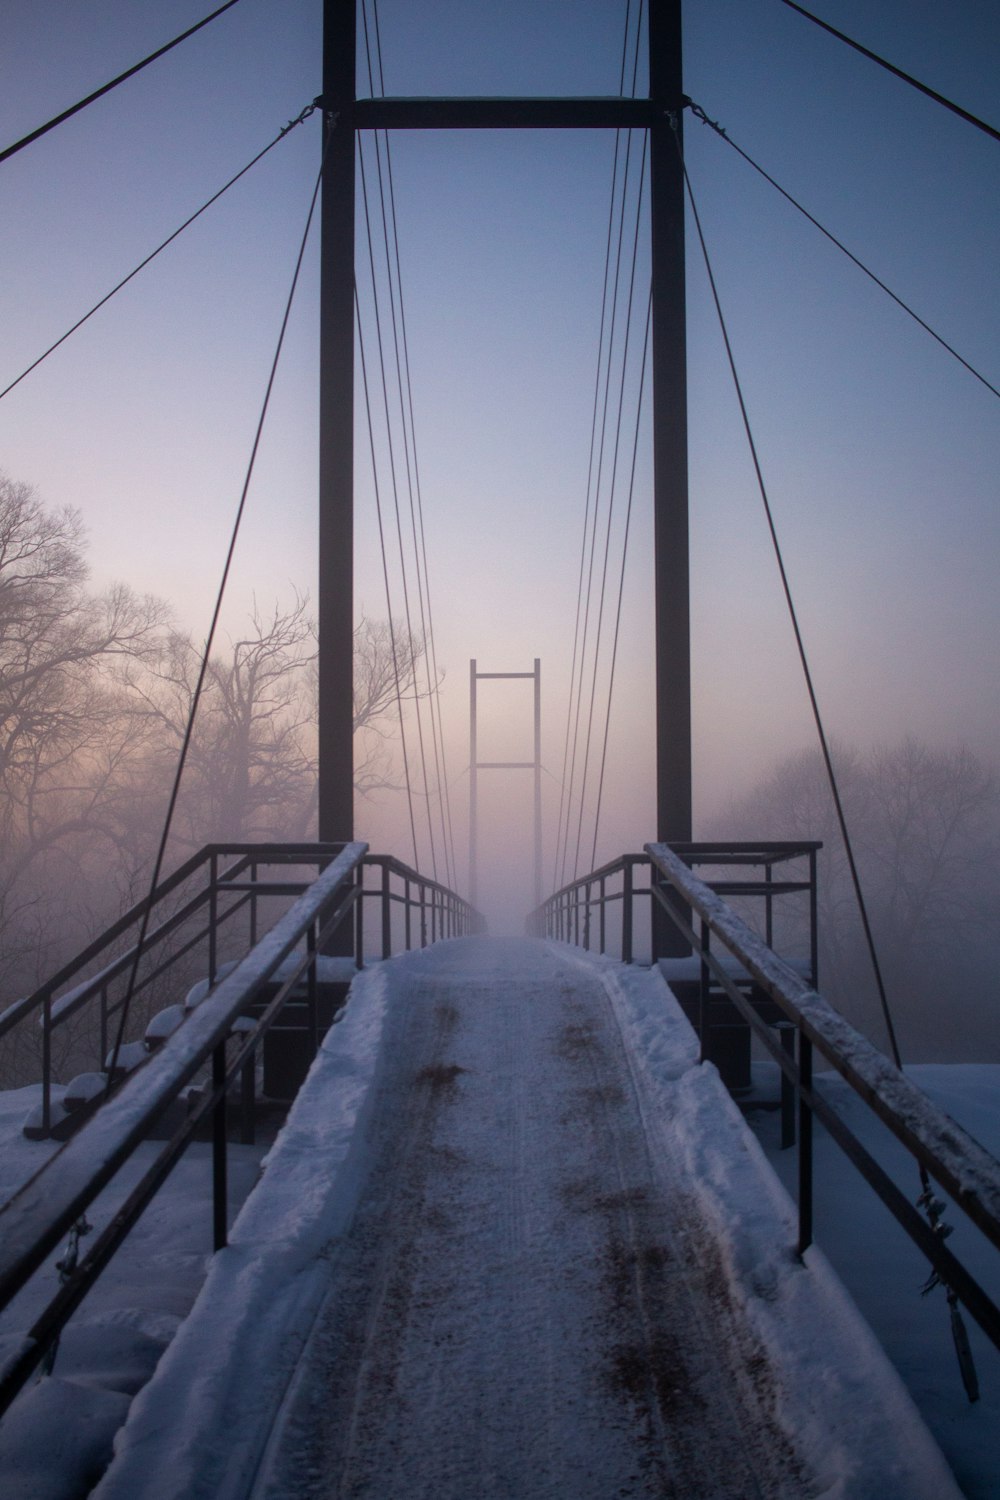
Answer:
x=956 y=109
x=106 y=88
x=309 y=109
x=700 y=114
x=210 y=638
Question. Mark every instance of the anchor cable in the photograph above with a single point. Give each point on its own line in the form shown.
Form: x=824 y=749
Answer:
x=927 y=1200
x=106 y=88
x=956 y=109
x=700 y=114
x=309 y=109
x=210 y=638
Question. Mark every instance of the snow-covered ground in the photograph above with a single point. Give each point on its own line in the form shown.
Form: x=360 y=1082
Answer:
x=835 y=1394
x=56 y=1439
x=884 y=1272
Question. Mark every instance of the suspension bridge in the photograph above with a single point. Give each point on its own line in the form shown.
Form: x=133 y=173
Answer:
x=512 y=1236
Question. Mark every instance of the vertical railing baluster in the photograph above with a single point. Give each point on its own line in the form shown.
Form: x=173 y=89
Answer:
x=805 y=1146
x=219 y=1163
x=627 y=913
x=386 y=912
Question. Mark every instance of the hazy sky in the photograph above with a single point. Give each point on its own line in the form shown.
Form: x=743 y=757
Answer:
x=880 y=451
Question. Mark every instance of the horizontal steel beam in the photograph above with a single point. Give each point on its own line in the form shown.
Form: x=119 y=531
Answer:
x=504 y=114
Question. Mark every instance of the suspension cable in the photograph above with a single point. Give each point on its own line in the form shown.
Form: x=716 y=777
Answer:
x=928 y=1201
x=800 y=644
x=107 y=87
x=558 y=875
x=413 y=477
x=309 y=109
x=700 y=114
x=956 y=109
x=395 y=498
x=611 y=498
x=594 y=479
x=385 y=576
x=563 y=804
x=393 y=291
x=621 y=581
x=210 y=638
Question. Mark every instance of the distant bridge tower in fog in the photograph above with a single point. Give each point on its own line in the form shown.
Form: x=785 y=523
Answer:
x=476 y=765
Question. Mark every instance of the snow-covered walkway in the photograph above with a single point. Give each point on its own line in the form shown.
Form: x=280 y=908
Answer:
x=516 y=1285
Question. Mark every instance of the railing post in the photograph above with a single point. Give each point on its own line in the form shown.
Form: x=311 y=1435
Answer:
x=253 y=905
x=703 y=992
x=359 y=917
x=47 y=1064
x=213 y=917
x=104 y=1023
x=813 y=923
x=805 y=1146
x=386 y=914
x=407 y=919
x=423 y=915
x=601 y=925
x=219 y=1163
x=248 y=1092
x=786 y=1032
x=311 y=990
x=627 y=913
x=586 y=917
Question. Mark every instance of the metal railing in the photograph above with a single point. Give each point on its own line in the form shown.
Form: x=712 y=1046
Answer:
x=964 y=1169
x=223 y=1031
x=206 y=912
x=698 y=911
x=602 y=911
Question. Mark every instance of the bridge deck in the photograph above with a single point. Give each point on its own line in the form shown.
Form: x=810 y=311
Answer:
x=522 y=1306
x=527 y=1299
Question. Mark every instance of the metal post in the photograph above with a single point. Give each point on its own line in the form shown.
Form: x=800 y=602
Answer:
x=473 y=788
x=670 y=485
x=538 y=782
x=805 y=1147
x=336 y=441
x=219 y=1164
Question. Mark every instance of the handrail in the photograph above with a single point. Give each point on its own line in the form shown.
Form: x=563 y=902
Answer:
x=34 y=1220
x=569 y=913
x=966 y=1171
x=44 y=1208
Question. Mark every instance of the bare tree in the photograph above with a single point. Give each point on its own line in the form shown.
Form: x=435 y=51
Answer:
x=68 y=740
x=387 y=660
x=250 y=767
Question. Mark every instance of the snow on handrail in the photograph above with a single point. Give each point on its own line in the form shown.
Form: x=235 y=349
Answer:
x=963 y=1167
x=37 y=1216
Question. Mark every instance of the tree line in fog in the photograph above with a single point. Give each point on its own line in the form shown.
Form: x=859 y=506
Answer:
x=925 y=828
x=95 y=691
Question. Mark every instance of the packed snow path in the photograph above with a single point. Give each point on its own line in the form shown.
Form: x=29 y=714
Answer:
x=525 y=1304
x=514 y=1241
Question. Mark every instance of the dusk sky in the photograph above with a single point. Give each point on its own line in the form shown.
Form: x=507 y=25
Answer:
x=880 y=451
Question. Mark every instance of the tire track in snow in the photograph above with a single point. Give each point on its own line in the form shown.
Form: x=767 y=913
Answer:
x=511 y=1313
